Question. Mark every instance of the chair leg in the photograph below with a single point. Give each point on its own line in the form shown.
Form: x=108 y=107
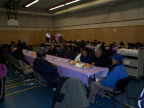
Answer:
x=114 y=103
x=128 y=98
x=98 y=103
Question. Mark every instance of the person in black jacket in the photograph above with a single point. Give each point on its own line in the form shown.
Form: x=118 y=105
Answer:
x=62 y=51
x=47 y=70
x=101 y=59
x=52 y=50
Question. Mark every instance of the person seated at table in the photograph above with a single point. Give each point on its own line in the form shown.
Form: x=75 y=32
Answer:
x=95 y=43
x=52 y=50
x=30 y=48
x=85 y=57
x=18 y=54
x=79 y=54
x=121 y=45
x=69 y=53
x=47 y=70
x=116 y=72
x=101 y=59
x=61 y=52
x=114 y=44
x=10 y=49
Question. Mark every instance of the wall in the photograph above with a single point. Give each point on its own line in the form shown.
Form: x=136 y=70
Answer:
x=32 y=29
x=96 y=23
x=99 y=23
x=107 y=34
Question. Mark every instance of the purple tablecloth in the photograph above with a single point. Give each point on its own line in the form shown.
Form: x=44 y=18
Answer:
x=67 y=70
x=91 y=47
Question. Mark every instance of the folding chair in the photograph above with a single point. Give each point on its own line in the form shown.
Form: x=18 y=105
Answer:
x=41 y=80
x=120 y=88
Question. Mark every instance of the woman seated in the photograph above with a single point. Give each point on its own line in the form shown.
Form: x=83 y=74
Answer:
x=47 y=70
x=69 y=53
x=79 y=54
x=3 y=72
x=52 y=50
x=85 y=57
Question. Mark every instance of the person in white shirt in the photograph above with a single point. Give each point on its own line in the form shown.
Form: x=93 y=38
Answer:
x=79 y=55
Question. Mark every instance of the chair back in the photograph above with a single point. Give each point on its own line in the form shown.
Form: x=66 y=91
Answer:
x=40 y=78
x=122 y=84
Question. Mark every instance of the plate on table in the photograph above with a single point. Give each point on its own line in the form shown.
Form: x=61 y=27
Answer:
x=78 y=65
x=87 y=66
x=65 y=61
x=59 y=59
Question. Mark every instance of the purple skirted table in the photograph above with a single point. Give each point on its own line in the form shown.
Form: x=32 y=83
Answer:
x=67 y=70
x=91 y=47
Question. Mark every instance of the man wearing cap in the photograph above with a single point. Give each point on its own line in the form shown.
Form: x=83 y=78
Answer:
x=116 y=72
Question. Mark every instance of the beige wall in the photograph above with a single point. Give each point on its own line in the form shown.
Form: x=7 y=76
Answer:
x=127 y=34
x=28 y=23
x=125 y=14
x=97 y=23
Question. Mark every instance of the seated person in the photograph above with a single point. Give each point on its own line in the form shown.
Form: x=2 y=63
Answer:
x=30 y=48
x=85 y=57
x=3 y=72
x=108 y=83
x=61 y=52
x=52 y=50
x=69 y=53
x=100 y=59
x=79 y=55
x=47 y=70
x=18 y=54
x=10 y=49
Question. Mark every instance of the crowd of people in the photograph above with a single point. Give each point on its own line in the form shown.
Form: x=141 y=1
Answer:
x=77 y=51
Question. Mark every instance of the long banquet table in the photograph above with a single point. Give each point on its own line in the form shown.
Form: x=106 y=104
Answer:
x=67 y=70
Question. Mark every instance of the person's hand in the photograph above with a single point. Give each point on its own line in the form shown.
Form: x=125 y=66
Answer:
x=93 y=63
x=54 y=64
x=1 y=78
x=100 y=79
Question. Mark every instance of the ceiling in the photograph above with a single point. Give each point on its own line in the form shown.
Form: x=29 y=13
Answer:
x=40 y=6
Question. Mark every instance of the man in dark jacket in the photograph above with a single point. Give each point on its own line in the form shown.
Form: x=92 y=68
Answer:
x=47 y=70
x=100 y=59
x=62 y=51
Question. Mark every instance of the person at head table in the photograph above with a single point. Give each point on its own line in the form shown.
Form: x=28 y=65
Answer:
x=101 y=59
x=47 y=70
x=62 y=51
x=85 y=57
x=116 y=72
x=52 y=50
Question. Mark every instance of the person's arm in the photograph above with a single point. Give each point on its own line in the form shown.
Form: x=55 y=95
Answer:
x=4 y=71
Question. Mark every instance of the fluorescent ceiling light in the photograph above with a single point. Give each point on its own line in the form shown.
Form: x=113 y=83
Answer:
x=57 y=7
x=35 y=1
x=72 y=2
x=64 y=4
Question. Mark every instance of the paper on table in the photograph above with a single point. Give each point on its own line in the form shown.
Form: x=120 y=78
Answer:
x=59 y=59
x=65 y=61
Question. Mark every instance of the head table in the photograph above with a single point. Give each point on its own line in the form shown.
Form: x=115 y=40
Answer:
x=67 y=70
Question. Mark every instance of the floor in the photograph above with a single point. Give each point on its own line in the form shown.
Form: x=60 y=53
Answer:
x=19 y=95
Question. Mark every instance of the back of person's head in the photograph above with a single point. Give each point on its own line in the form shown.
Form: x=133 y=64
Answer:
x=99 y=42
x=41 y=53
x=121 y=44
x=111 y=45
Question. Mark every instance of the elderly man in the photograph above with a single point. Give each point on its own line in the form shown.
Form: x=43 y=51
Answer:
x=116 y=72
x=47 y=70
x=100 y=59
x=62 y=51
